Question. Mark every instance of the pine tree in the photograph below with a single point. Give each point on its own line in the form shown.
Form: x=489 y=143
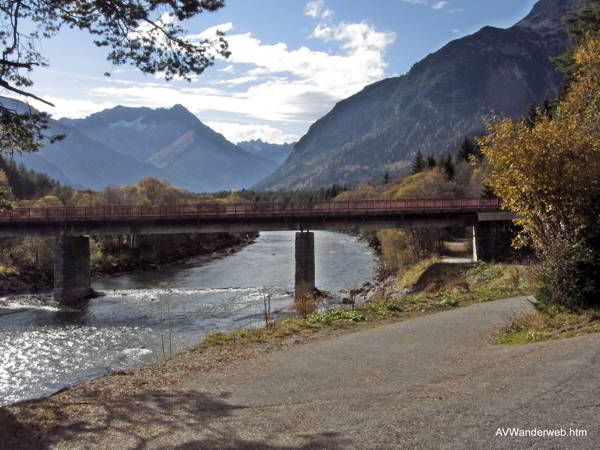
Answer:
x=468 y=149
x=419 y=163
x=431 y=162
x=162 y=48
x=448 y=166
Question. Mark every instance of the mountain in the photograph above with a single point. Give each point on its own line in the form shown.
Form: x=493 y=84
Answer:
x=275 y=152
x=431 y=108
x=176 y=142
x=80 y=161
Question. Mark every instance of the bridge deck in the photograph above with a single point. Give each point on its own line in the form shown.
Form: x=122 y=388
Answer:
x=263 y=209
x=242 y=217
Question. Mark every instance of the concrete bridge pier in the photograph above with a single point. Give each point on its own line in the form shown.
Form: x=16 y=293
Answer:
x=305 y=264
x=72 y=269
x=492 y=240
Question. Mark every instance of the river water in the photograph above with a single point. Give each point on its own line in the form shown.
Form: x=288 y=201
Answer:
x=146 y=316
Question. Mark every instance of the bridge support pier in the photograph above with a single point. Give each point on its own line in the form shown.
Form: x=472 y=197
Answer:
x=492 y=241
x=473 y=232
x=305 y=264
x=72 y=269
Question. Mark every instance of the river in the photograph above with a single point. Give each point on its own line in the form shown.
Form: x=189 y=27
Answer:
x=147 y=316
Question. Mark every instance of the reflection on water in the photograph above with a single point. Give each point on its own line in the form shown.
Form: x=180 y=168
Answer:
x=44 y=349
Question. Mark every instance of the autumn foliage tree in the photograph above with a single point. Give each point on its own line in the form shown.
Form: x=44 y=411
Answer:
x=549 y=174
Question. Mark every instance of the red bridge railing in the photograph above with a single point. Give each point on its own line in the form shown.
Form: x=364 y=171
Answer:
x=246 y=209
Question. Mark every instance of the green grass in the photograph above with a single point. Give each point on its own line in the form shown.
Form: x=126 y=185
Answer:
x=549 y=324
x=449 y=287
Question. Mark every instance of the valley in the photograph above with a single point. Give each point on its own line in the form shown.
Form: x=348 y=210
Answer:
x=322 y=225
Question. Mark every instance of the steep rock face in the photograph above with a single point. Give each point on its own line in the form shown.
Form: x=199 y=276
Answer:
x=431 y=108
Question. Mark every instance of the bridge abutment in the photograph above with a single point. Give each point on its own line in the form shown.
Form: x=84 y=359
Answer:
x=492 y=241
x=72 y=269
x=305 y=264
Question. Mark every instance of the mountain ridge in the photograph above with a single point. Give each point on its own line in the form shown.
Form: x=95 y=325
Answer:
x=433 y=106
x=122 y=145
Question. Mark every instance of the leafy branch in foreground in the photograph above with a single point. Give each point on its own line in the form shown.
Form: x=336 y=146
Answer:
x=146 y=34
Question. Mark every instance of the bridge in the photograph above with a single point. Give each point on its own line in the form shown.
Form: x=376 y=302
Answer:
x=72 y=227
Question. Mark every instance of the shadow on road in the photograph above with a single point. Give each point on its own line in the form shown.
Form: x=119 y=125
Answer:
x=163 y=419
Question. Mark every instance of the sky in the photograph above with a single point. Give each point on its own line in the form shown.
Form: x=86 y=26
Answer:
x=291 y=61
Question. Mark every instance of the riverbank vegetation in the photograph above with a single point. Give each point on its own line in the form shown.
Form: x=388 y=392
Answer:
x=557 y=323
x=26 y=262
x=401 y=249
x=549 y=174
x=547 y=169
x=437 y=287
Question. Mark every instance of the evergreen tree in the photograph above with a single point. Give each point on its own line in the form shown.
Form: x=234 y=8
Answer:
x=431 y=162
x=448 y=166
x=419 y=163
x=536 y=113
x=468 y=149
x=581 y=25
x=5 y=192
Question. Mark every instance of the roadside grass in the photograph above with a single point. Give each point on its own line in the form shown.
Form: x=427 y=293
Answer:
x=411 y=276
x=447 y=286
x=548 y=324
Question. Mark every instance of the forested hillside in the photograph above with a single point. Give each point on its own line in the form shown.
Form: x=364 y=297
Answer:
x=26 y=263
x=431 y=108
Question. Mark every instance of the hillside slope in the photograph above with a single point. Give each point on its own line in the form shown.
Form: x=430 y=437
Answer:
x=431 y=108
x=176 y=142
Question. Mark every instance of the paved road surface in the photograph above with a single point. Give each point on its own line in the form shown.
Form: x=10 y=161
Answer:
x=435 y=382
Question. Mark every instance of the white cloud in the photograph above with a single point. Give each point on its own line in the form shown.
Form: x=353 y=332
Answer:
x=327 y=14
x=240 y=80
x=313 y=8
x=237 y=133
x=73 y=109
x=294 y=85
x=275 y=87
x=418 y=2
x=211 y=33
x=317 y=10
x=455 y=30
x=439 y=5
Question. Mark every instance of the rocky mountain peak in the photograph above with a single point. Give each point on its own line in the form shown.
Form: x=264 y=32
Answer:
x=547 y=15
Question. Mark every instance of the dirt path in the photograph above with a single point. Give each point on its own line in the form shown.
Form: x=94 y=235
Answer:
x=433 y=382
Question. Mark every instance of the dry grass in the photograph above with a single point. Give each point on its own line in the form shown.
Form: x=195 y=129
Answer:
x=412 y=275
x=306 y=303
x=538 y=326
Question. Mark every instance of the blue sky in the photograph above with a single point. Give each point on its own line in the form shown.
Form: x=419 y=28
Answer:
x=292 y=60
